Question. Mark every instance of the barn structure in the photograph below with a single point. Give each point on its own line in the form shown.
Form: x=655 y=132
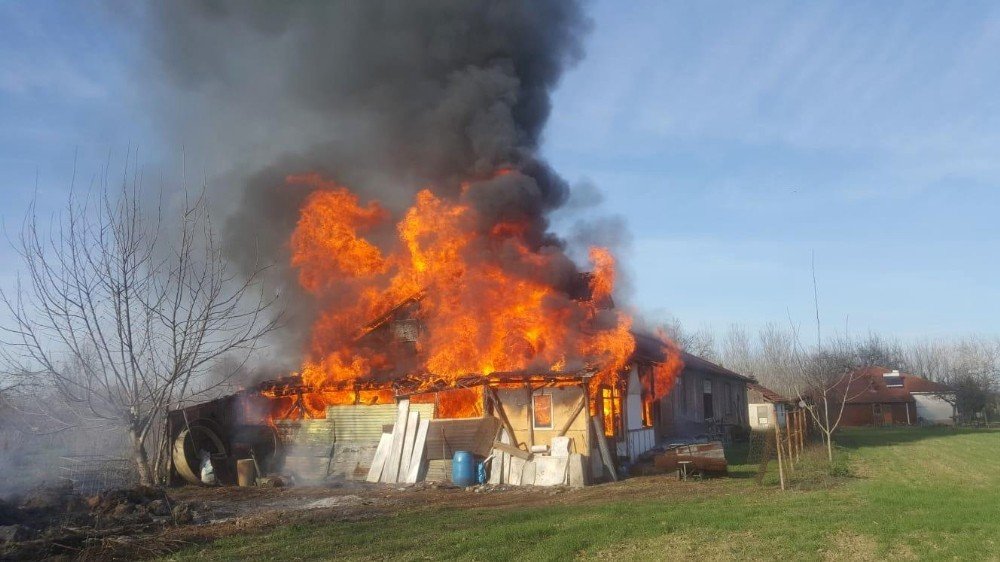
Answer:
x=707 y=400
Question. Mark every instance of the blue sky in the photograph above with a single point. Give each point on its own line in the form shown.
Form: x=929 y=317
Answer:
x=736 y=140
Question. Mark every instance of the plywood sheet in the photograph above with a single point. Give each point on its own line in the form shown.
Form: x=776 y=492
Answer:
x=576 y=476
x=475 y=435
x=391 y=471
x=550 y=471
x=411 y=436
x=381 y=454
x=560 y=446
x=419 y=457
x=528 y=474
x=516 y=470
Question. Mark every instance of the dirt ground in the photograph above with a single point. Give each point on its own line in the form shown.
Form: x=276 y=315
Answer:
x=224 y=511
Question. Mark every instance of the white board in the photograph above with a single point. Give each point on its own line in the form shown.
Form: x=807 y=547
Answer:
x=419 y=452
x=528 y=474
x=516 y=470
x=411 y=435
x=390 y=473
x=381 y=453
x=560 y=446
x=496 y=468
x=575 y=477
x=550 y=471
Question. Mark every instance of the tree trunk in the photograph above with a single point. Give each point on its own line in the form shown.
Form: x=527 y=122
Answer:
x=828 y=430
x=140 y=458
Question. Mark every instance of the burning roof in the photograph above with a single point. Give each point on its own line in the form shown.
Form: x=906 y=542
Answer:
x=461 y=294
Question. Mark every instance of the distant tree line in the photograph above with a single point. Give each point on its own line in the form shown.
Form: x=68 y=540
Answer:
x=816 y=373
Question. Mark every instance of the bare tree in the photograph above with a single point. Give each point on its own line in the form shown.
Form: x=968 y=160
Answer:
x=931 y=360
x=120 y=312
x=973 y=375
x=824 y=383
x=700 y=342
x=878 y=350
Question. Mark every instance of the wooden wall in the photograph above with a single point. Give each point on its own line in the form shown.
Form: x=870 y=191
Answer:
x=684 y=414
x=517 y=404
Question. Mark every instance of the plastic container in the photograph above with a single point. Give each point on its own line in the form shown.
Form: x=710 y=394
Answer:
x=463 y=468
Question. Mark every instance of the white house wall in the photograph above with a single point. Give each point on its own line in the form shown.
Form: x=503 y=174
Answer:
x=931 y=408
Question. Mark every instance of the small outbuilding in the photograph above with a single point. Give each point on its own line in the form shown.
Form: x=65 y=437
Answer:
x=765 y=405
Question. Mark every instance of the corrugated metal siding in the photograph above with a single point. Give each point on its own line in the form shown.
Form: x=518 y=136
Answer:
x=364 y=423
x=346 y=423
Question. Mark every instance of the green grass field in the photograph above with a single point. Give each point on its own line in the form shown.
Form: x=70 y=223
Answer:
x=896 y=494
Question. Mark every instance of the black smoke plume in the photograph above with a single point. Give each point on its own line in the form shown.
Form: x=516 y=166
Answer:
x=385 y=97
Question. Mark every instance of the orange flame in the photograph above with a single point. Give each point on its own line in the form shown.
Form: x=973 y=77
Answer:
x=484 y=298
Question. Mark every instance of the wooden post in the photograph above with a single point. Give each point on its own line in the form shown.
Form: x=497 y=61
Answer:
x=777 y=444
x=788 y=441
x=531 y=421
x=802 y=429
x=795 y=435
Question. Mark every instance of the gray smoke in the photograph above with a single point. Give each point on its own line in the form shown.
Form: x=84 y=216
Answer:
x=385 y=97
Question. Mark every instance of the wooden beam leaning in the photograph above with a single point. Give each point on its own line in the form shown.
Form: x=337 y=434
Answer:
x=604 y=448
x=390 y=473
x=580 y=405
x=381 y=454
x=512 y=450
x=419 y=452
x=502 y=414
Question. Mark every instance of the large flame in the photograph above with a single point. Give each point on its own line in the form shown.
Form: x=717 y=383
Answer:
x=486 y=300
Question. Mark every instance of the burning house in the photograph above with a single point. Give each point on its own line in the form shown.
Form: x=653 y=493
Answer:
x=546 y=381
x=399 y=187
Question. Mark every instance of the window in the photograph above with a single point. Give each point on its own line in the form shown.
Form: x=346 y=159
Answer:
x=763 y=416
x=541 y=411
x=648 y=396
x=611 y=409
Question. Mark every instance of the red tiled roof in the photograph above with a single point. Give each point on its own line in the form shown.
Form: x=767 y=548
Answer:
x=868 y=386
x=769 y=395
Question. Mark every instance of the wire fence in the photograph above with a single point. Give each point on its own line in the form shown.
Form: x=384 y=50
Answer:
x=94 y=473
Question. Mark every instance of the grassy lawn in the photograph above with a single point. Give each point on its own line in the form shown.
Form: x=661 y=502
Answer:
x=910 y=494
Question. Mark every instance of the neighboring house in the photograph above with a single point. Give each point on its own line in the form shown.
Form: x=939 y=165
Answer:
x=766 y=405
x=706 y=398
x=877 y=396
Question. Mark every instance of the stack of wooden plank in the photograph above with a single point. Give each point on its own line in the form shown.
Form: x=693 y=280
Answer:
x=704 y=457
x=517 y=467
x=401 y=454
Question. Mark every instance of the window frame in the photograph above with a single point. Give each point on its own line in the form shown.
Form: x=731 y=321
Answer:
x=534 y=418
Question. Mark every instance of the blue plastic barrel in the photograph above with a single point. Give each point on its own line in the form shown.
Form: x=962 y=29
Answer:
x=463 y=468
